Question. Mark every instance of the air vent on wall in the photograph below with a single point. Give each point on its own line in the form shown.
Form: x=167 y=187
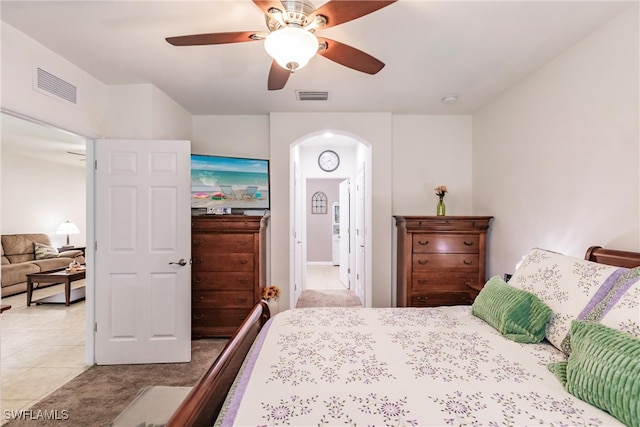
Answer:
x=306 y=95
x=50 y=84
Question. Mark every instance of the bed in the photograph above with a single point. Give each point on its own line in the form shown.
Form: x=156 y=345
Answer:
x=439 y=366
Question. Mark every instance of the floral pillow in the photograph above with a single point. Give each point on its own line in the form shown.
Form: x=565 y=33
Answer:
x=617 y=302
x=565 y=283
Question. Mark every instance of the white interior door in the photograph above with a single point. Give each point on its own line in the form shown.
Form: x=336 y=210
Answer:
x=345 y=239
x=143 y=252
x=299 y=260
x=360 y=235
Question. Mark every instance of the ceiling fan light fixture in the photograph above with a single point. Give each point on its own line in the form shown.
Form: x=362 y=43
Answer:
x=291 y=47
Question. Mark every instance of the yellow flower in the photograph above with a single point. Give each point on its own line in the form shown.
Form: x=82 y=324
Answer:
x=270 y=292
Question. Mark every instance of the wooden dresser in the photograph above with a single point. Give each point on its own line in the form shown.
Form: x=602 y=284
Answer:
x=228 y=271
x=441 y=259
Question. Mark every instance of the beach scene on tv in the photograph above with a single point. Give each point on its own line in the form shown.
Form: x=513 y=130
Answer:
x=229 y=182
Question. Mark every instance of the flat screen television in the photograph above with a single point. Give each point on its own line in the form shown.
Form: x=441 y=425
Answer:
x=219 y=184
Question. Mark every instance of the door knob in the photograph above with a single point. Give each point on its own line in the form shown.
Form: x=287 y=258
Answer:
x=182 y=262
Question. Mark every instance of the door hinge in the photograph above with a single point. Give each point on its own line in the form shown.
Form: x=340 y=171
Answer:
x=95 y=327
x=95 y=246
x=95 y=164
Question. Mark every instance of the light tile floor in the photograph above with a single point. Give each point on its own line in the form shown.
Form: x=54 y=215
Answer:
x=324 y=277
x=42 y=347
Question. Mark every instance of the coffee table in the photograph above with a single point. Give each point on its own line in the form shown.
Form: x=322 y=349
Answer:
x=57 y=276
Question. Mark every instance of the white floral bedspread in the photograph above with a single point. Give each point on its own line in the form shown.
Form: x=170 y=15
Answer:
x=398 y=367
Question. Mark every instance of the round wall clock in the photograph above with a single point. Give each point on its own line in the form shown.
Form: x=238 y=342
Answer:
x=328 y=160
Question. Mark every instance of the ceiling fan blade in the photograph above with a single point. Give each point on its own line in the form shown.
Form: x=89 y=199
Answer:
x=265 y=5
x=212 y=38
x=278 y=77
x=340 y=11
x=350 y=56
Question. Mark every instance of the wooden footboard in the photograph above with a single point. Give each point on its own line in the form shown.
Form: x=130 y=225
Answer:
x=204 y=402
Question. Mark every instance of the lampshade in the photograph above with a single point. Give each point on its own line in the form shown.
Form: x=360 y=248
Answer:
x=291 y=47
x=67 y=228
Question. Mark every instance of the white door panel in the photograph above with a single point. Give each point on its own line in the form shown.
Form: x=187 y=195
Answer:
x=345 y=237
x=143 y=229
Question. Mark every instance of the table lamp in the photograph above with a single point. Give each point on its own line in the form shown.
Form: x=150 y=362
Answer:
x=67 y=228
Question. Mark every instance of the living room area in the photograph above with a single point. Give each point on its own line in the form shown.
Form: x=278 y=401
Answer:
x=42 y=345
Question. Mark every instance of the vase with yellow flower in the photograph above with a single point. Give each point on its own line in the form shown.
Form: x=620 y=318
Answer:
x=270 y=294
x=441 y=209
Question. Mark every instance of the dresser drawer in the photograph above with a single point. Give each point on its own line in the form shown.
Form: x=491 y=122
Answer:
x=222 y=299
x=446 y=262
x=222 y=242
x=216 y=322
x=445 y=243
x=223 y=261
x=440 y=298
x=222 y=281
x=442 y=281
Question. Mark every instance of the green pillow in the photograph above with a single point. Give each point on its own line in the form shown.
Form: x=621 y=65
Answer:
x=518 y=314
x=604 y=370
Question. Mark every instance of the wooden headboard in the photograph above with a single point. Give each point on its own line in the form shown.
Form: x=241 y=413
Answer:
x=613 y=257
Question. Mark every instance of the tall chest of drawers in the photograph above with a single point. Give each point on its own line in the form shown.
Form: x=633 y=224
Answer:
x=228 y=271
x=441 y=259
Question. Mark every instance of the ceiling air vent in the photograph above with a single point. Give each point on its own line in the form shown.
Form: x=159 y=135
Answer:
x=306 y=95
x=50 y=84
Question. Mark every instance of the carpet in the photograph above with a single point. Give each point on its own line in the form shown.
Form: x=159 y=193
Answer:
x=96 y=397
x=328 y=298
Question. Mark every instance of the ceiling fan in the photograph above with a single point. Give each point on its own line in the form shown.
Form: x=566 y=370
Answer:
x=291 y=39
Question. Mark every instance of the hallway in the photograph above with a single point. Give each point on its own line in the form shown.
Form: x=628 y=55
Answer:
x=324 y=289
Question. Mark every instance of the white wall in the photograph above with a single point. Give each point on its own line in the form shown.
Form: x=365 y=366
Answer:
x=319 y=226
x=144 y=112
x=37 y=196
x=373 y=129
x=556 y=158
x=20 y=55
x=234 y=136
x=429 y=151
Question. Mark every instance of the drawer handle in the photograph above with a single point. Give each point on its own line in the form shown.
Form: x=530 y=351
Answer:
x=422 y=261
x=243 y=261
x=196 y=280
x=197 y=242
x=196 y=299
x=419 y=298
x=241 y=318
x=467 y=262
x=198 y=316
x=425 y=243
x=243 y=281
x=242 y=243
x=468 y=243
x=423 y=281
x=198 y=260
x=241 y=299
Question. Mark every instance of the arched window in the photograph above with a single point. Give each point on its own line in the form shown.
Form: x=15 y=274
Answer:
x=319 y=203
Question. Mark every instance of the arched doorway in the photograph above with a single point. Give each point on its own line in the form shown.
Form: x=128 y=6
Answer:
x=354 y=156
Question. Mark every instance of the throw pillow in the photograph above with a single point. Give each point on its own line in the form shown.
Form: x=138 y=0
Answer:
x=603 y=370
x=565 y=283
x=43 y=251
x=517 y=314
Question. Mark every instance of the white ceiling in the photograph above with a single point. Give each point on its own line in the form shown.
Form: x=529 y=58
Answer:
x=472 y=49
x=38 y=141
